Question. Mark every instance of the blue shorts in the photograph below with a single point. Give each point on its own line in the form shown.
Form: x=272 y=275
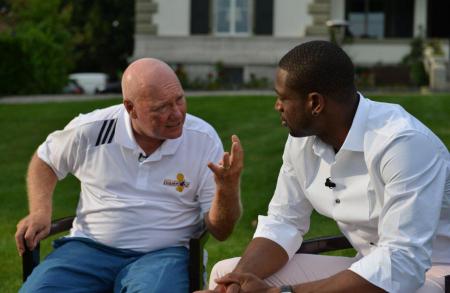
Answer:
x=82 y=265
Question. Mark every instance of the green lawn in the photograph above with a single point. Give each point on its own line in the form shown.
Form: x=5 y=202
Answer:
x=24 y=127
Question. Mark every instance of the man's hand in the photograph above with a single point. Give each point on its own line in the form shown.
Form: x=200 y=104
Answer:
x=229 y=169
x=242 y=283
x=32 y=229
x=226 y=205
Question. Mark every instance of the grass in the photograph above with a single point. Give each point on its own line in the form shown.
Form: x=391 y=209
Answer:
x=24 y=127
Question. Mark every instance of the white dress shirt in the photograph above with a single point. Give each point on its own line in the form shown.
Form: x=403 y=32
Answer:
x=128 y=200
x=391 y=199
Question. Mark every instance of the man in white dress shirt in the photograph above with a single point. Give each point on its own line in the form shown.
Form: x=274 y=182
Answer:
x=146 y=189
x=377 y=171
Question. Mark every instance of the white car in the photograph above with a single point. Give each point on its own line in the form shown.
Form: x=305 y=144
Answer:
x=90 y=82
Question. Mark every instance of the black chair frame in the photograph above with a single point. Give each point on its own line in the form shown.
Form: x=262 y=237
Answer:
x=31 y=258
x=332 y=243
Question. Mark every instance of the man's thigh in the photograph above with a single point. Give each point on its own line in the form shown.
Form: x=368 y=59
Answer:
x=74 y=267
x=435 y=279
x=164 y=270
x=300 y=269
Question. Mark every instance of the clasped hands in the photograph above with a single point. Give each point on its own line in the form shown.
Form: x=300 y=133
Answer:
x=241 y=283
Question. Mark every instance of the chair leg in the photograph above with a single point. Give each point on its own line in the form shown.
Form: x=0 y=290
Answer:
x=447 y=284
x=30 y=259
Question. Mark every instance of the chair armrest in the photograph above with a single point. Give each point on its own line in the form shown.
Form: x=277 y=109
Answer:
x=31 y=258
x=196 y=267
x=60 y=225
x=324 y=244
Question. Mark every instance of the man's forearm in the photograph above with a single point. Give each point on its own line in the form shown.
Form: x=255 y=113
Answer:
x=41 y=182
x=253 y=260
x=224 y=212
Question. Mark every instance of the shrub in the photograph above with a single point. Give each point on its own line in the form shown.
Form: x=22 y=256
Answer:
x=36 y=48
x=13 y=66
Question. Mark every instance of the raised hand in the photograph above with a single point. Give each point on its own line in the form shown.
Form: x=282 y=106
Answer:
x=229 y=169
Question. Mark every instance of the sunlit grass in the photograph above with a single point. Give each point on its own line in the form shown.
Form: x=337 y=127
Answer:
x=24 y=127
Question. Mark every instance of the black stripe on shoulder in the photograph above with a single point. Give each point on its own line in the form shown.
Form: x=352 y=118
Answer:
x=110 y=123
x=101 y=132
x=107 y=132
x=112 y=132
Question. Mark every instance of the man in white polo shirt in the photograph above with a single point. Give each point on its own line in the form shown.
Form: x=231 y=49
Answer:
x=377 y=171
x=146 y=189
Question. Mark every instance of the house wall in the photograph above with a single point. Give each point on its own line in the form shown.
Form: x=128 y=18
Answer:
x=291 y=17
x=172 y=17
x=370 y=52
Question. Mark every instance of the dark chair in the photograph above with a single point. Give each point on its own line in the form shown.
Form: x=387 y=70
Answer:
x=197 y=276
x=332 y=243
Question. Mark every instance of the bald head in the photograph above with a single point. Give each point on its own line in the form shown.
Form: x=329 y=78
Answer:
x=147 y=77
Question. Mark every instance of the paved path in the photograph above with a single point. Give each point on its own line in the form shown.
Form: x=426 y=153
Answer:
x=68 y=97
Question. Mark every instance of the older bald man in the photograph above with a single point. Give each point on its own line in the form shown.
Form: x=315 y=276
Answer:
x=146 y=189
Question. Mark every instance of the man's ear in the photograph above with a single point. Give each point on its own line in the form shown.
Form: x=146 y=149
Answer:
x=129 y=106
x=316 y=102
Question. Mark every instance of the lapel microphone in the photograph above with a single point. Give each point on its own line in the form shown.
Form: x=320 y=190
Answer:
x=142 y=158
x=330 y=184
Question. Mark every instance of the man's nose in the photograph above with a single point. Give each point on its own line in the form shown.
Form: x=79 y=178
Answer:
x=278 y=106
x=177 y=112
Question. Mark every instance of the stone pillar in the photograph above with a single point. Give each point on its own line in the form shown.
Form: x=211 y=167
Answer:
x=320 y=12
x=420 y=17
x=144 y=10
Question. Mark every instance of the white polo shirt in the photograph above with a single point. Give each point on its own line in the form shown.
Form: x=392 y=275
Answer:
x=391 y=199
x=128 y=201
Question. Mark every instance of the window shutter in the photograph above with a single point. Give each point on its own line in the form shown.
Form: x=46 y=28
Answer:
x=263 y=16
x=200 y=17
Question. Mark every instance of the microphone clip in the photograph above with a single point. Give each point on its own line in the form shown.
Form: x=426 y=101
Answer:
x=142 y=158
x=330 y=184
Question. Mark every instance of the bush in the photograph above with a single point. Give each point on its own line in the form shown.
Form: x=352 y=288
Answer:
x=414 y=60
x=32 y=63
x=13 y=66
x=36 y=50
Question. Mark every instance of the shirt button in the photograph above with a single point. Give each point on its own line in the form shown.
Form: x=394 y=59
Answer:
x=338 y=200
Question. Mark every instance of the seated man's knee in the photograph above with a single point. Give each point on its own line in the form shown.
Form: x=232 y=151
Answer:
x=222 y=268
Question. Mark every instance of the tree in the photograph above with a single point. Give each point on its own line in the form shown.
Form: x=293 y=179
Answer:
x=103 y=34
x=36 y=47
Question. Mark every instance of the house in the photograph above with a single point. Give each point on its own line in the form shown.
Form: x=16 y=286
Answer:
x=246 y=38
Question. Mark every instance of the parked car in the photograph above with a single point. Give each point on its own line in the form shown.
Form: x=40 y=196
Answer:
x=73 y=87
x=112 y=87
x=90 y=82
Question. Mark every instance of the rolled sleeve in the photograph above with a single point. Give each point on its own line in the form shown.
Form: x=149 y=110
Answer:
x=289 y=210
x=409 y=219
x=285 y=235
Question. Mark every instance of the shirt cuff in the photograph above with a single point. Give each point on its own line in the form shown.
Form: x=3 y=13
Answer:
x=285 y=235
x=376 y=269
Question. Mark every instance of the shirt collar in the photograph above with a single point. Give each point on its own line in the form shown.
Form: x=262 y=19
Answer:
x=125 y=137
x=355 y=137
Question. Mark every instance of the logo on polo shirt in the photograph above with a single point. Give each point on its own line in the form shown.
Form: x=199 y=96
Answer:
x=180 y=183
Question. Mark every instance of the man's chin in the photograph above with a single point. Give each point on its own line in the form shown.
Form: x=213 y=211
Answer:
x=175 y=133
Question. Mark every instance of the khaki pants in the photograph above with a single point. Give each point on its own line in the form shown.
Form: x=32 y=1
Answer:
x=307 y=267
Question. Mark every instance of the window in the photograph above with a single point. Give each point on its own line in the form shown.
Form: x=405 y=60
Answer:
x=380 y=18
x=232 y=17
x=366 y=18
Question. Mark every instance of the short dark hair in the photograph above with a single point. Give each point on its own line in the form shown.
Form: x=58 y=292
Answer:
x=320 y=66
